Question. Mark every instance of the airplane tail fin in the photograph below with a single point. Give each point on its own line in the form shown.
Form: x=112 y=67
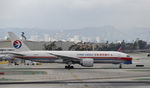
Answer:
x=17 y=43
x=120 y=49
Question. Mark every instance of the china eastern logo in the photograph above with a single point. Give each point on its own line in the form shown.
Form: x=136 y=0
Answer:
x=17 y=44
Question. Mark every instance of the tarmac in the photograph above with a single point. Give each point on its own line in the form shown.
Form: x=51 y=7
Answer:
x=99 y=76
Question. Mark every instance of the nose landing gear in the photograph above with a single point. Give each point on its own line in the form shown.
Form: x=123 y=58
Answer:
x=120 y=66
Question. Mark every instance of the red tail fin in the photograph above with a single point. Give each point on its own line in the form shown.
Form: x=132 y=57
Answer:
x=120 y=49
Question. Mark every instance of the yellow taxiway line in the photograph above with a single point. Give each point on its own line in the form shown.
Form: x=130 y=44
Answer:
x=76 y=78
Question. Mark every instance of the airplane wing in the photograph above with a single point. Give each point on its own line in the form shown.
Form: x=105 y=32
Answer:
x=9 y=55
x=66 y=58
x=13 y=53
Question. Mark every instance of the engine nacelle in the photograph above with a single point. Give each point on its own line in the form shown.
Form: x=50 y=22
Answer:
x=86 y=62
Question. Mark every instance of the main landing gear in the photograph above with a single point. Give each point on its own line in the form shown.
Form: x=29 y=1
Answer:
x=69 y=67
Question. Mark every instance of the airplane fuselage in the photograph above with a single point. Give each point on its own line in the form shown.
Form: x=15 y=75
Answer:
x=98 y=56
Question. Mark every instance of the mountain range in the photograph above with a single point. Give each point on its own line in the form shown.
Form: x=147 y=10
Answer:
x=105 y=33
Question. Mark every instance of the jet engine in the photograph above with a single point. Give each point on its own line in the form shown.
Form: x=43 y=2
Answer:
x=86 y=62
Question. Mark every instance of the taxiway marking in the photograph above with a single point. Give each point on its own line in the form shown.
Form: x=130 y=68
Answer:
x=76 y=78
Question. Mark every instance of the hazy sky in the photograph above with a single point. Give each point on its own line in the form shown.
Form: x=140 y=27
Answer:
x=72 y=14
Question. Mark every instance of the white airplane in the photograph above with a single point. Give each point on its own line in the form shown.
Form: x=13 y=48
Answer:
x=84 y=58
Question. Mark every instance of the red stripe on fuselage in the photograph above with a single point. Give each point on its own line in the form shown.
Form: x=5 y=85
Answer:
x=122 y=58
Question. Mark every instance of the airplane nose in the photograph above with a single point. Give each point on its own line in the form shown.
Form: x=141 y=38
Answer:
x=130 y=61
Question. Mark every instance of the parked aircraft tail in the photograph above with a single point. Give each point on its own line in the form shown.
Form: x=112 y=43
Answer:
x=17 y=43
x=120 y=49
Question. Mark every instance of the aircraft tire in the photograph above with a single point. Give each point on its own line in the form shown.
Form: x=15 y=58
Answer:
x=71 y=67
x=66 y=67
x=120 y=66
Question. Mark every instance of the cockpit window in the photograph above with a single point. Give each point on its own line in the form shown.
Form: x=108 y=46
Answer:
x=128 y=56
